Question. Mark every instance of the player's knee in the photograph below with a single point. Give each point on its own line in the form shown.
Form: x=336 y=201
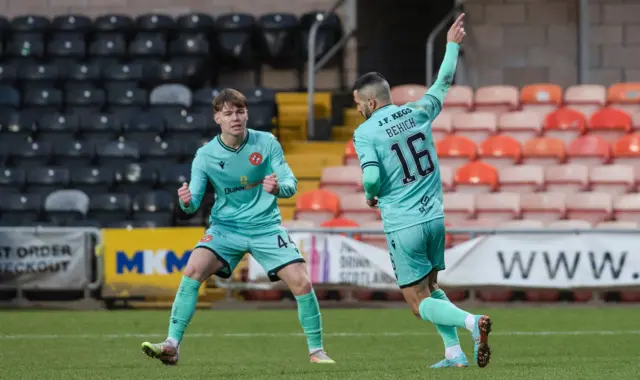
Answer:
x=415 y=309
x=192 y=271
x=301 y=286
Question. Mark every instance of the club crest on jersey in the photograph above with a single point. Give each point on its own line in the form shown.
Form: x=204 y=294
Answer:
x=255 y=158
x=206 y=238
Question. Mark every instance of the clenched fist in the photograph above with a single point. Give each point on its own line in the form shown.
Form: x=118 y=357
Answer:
x=184 y=194
x=270 y=184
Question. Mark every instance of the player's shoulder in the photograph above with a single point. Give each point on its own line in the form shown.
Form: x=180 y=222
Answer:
x=367 y=127
x=262 y=136
x=208 y=148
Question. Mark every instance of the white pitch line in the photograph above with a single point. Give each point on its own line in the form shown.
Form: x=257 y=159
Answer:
x=286 y=335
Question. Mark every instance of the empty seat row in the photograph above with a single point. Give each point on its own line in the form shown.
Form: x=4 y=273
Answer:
x=540 y=97
x=563 y=123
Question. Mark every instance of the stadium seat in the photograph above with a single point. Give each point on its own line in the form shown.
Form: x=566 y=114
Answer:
x=610 y=124
x=144 y=126
x=84 y=100
x=124 y=101
x=627 y=207
x=406 y=93
x=182 y=125
x=612 y=179
x=155 y=206
x=58 y=128
x=196 y=23
x=586 y=98
x=542 y=295
x=120 y=76
x=441 y=127
x=590 y=206
x=589 y=150
x=477 y=126
x=113 y=23
x=15 y=128
x=455 y=151
x=520 y=125
x=117 y=153
x=618 y=224
x=26 y=47
x=20 y=209
x=64 y=207
x=329 y=33
x=341 y=179
x=496 y=99
x=30 y=24
x=520 y=224
x=446 y=176
x=626 y=150
x=71 y=25
x=10 y=98
x=565 y=124
x=521 y=179
x=262 y=102
x=155 y=22
x=235 y=40
x=147 y=45
x=67 y=48
x=31 y=154
x=108 y=48
x=40 y=100
x=567 y=178
x=109 y=207
x=92 y=180
x=543 y=151
x=341 y=222
x=100 y=127
x=39 y=74
x=189 y=45
x=354 y=207
x=544 y=207
x=279 y=40
x=476 y=177
x=458 y=207
x=44 y=180
x=134 y=179
x=624 y=96
x=161 y=153
x=500 y=151
x=541 y=98
x=350 y=155
x=317 y=206
x=459 y=99
x=497 y=207
x=8 y=73
x=12 y=180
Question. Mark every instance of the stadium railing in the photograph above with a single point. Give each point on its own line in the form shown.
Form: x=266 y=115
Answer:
x=54 y=259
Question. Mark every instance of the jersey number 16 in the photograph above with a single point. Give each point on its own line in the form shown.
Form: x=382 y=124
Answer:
x=417 y=156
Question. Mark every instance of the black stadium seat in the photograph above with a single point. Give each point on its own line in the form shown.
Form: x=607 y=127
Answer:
x=92 y=179
x=26 y=46
x=262 y=103
x=113 y=23
x=41 y=100
x=101 y=127
x=85 y=99
x=35 y=74
x=30 y=24
x=8 y=73
x=328 y=35
x=160 y=154
x=156 y=23
x=116 y=153
x=280 y=40
x=44 y=180
x=148 y=45
x=196 y=23
x=67 y=47
x=135 y=178
x=187 y=45
x=109 y=207
x=16 y=127
x=235 y=39
x=125 y=101
x=74 y=153
x=109 y=47
x=144 y=126
x=31 y=154
x=12 y=180
x=20 y=209
x=82 y=73
x=155 y=206
x=71 y=25
x=58 y=127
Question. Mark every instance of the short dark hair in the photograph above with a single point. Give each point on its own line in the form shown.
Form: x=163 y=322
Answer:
x=368 y=79
x=229 y=96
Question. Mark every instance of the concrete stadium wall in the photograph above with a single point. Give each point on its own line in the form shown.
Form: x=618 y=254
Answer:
x=272 y=78
x=522 y=41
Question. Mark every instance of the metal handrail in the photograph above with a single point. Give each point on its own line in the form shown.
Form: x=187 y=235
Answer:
x=312 y=67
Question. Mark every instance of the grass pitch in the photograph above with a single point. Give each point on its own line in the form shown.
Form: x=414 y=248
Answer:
x=528 y=343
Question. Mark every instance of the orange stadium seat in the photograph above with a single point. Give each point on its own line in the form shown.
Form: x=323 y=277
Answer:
x=565 y=124
x=500 y=151
x=341 y=222
x=625 y=96
x=446 y=176
x=589 y=150
x=520 y=224
x=477 y=126
x=455 y=151
x=496 y=99
x=354 y=207
x=544 y=207
x=521 y=125
x=610 y=124
x=441 y=126
x=497 y=207
x=541 y=98
x=590 y=206
x=350 y=156
x=612 y=179
x=341 y=179
x=406 y=93
x=476 y=177
x=619 y=224
x=635 y=121
x=521 y=178
x=543 y=151
x=570 y=224
x=586 y=98
x=567 y=178
x=458 y=207
x=626 y=150
x=627 y=208
x=317 y=206
x=458 y=99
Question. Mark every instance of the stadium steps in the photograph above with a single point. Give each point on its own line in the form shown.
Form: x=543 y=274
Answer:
x=293 y=114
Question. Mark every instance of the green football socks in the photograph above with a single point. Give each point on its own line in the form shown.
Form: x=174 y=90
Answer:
x=184 y=306
x=440 y=312
x=449 y=334
x=310 y=319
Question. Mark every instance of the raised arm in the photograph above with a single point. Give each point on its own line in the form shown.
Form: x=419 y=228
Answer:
x=432 y=101
x=287 y=182
x=197 y=185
